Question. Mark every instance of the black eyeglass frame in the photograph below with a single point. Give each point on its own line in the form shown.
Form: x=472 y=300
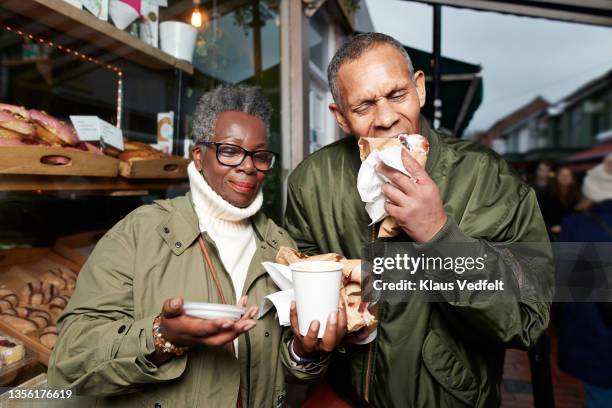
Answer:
x=247 y=153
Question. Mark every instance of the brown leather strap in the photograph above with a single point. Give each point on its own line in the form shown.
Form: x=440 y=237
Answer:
x=215 y=278
x=212 y=269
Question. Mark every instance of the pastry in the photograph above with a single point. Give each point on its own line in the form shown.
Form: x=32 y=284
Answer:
x=5 y=305
x=22 y=311
x=62 y=278
x=48 y=336
x=18 y=112
x=57 y=306
x=38 y=293
x=11 y=312
x=10 y=296
x=13 y=128
x=52 y=130
x=135 y=155
x=11 y=351
x=22 y=324
x=111 y=151
x=41 y=318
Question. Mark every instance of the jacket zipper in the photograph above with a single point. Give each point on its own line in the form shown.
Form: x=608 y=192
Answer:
x=366 y=380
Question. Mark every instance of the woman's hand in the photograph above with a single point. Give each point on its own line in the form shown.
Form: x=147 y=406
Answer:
x=310 y=345
x=183 y=330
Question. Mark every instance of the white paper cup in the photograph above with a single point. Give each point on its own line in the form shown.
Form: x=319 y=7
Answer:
x=178 y=39
x=317 y=292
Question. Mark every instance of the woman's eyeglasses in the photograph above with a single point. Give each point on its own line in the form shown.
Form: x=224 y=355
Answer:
x=232 y=155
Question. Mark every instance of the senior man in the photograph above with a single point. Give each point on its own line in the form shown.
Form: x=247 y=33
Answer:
x=446 y=354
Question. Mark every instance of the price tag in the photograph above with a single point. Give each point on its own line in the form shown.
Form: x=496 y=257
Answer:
x=87 y=127
x=111 y=135
x=94 y=129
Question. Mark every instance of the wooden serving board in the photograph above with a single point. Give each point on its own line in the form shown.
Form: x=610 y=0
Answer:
x=77 y=248
x=38 y=160
x=168 y=168
x=20 y=266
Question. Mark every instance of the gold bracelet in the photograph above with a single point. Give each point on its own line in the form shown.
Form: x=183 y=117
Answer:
x=161 y=343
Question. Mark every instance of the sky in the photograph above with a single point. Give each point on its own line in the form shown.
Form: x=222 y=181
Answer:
x=521 y=57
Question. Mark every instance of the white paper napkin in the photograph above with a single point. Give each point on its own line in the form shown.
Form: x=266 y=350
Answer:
x=370 y=182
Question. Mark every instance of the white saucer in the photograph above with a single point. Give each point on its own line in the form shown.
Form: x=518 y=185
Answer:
x=213 y=311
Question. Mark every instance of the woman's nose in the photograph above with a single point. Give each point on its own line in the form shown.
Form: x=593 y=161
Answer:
x=247 y=165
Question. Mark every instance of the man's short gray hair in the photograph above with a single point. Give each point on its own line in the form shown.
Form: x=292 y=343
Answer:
x=353 y=48
x=241 y=98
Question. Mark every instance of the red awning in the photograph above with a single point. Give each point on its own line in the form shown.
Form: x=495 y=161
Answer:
x=595 y=153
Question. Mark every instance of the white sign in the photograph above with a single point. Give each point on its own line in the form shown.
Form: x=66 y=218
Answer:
x=111 y=134
x=87 y=127
x=92 y=128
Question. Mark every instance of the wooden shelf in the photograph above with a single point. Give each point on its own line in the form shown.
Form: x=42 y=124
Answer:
x=108 y=186
x=84 y=26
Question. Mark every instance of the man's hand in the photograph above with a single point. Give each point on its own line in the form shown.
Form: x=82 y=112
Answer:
x=414 y=202
x=310 y=345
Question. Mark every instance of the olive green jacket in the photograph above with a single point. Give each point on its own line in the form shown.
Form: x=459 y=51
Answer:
x=105 y=332
x=429 y=354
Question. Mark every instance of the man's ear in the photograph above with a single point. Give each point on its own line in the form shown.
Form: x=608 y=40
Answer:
x=340 y=119
x=419 y=82
x=197 y=152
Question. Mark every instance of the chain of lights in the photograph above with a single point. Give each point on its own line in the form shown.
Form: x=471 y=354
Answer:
x=80 y=56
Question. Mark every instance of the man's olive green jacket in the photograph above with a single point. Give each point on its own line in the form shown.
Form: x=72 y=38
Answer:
x=105 y=332
x=429 y=354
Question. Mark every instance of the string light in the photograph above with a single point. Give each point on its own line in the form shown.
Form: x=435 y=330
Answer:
x=77 y=54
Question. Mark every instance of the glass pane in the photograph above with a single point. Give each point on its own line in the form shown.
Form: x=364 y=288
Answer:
x=239 y=43
x=318 y=40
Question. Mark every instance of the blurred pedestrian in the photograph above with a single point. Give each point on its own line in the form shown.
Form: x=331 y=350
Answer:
x=585 y=329
x=564 y=197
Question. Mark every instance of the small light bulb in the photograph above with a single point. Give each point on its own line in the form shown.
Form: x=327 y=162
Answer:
x=196 y=18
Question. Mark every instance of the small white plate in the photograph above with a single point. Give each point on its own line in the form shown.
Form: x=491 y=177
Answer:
x=213 y=311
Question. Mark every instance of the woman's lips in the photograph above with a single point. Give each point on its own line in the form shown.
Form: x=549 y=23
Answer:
x=242 y=187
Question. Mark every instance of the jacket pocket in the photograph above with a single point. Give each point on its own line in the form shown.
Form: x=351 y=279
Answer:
x=445 y=363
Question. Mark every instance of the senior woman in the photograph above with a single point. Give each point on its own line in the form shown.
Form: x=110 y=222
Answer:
x=125 y=337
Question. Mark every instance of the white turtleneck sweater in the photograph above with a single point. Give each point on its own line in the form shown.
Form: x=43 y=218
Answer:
x=227 y=225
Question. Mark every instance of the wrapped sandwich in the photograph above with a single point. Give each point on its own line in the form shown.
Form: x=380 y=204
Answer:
x=417 y=146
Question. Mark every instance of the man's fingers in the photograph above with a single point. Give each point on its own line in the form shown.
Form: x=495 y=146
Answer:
x=402 y=181
x=394 y=194
x=172 y=307
x=412 y=166
x=393 y=210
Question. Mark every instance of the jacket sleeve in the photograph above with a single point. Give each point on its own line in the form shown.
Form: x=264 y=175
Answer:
x=519 y=314
x=296 y=223
x=303 y=372
x=102 y=347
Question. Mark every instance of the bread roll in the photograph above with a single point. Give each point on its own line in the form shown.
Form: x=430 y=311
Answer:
x=38 y=293
x=24 y=325
x=49 y=337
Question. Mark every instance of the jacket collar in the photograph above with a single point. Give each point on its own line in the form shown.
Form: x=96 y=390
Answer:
x=180 y=229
